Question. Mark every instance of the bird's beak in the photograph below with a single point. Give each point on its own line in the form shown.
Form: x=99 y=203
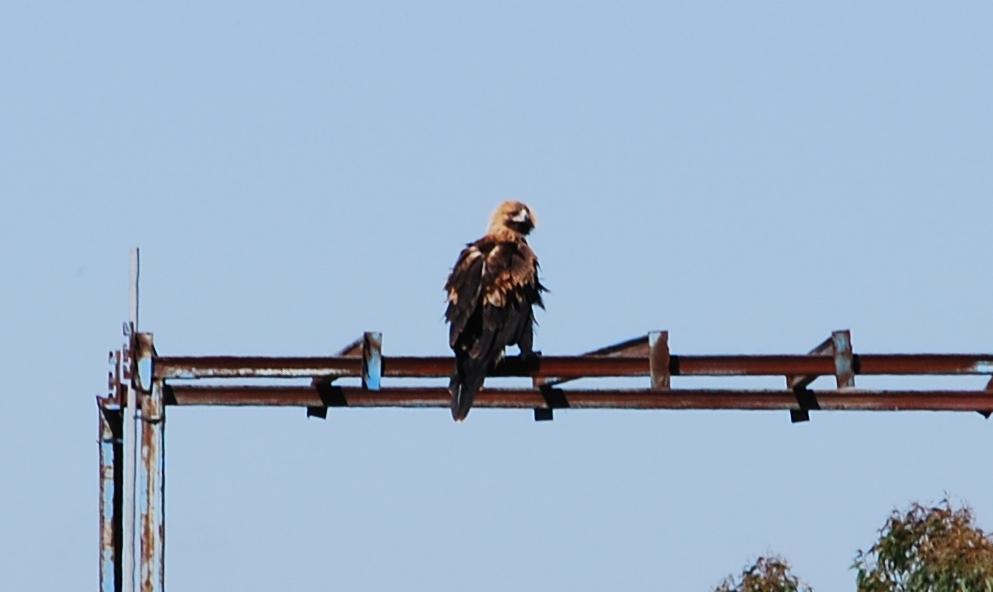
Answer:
x=520 y=217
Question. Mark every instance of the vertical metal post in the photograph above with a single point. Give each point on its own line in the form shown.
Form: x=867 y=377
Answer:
x=372 y=360
x=844 y=359
x=111 y=472
x=129 y=415
x=658 y=359
x=151 y=496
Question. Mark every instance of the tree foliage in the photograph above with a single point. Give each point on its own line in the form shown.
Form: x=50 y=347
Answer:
x=768 y=574
x=936 y=549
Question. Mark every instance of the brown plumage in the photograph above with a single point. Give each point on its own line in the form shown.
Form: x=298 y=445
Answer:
x=491 y=292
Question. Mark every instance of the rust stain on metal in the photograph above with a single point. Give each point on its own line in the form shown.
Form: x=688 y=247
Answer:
x=149 y=449
x=152 y=525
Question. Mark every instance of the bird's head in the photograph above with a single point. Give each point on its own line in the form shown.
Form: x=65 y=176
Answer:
x=513 y=216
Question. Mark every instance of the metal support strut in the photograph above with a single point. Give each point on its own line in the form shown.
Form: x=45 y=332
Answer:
x=151 y=483
x=839 y=345
x=111 y=498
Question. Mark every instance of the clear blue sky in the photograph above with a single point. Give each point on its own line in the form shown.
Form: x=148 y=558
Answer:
x=749 y=176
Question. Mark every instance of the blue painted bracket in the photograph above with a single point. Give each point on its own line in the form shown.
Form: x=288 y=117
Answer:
x=372 y=360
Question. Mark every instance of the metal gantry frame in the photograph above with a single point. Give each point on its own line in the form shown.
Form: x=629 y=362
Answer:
x=163 y=381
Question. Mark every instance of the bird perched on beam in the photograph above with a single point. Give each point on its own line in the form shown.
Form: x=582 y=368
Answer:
x=491 y=293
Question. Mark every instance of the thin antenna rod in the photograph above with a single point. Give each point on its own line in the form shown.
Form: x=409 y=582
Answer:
x=135 y=270
x=130 y=415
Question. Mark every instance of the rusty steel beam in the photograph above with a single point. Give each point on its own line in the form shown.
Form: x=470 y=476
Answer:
x=111 y=494
x=336 y=396
x=187 y=367
x=151 y=497
x=938 y=364
x=167 y=367
x=392 y=366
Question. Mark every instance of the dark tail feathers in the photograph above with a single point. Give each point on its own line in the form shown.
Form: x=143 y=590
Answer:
x=465 y=383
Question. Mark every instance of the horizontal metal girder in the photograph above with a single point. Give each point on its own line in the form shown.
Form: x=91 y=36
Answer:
x=333 y=396
x=172 y=367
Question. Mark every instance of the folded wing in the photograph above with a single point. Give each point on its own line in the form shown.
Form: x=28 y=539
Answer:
x=491 y=293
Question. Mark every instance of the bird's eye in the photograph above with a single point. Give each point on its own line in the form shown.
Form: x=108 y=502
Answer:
x=520 y=216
